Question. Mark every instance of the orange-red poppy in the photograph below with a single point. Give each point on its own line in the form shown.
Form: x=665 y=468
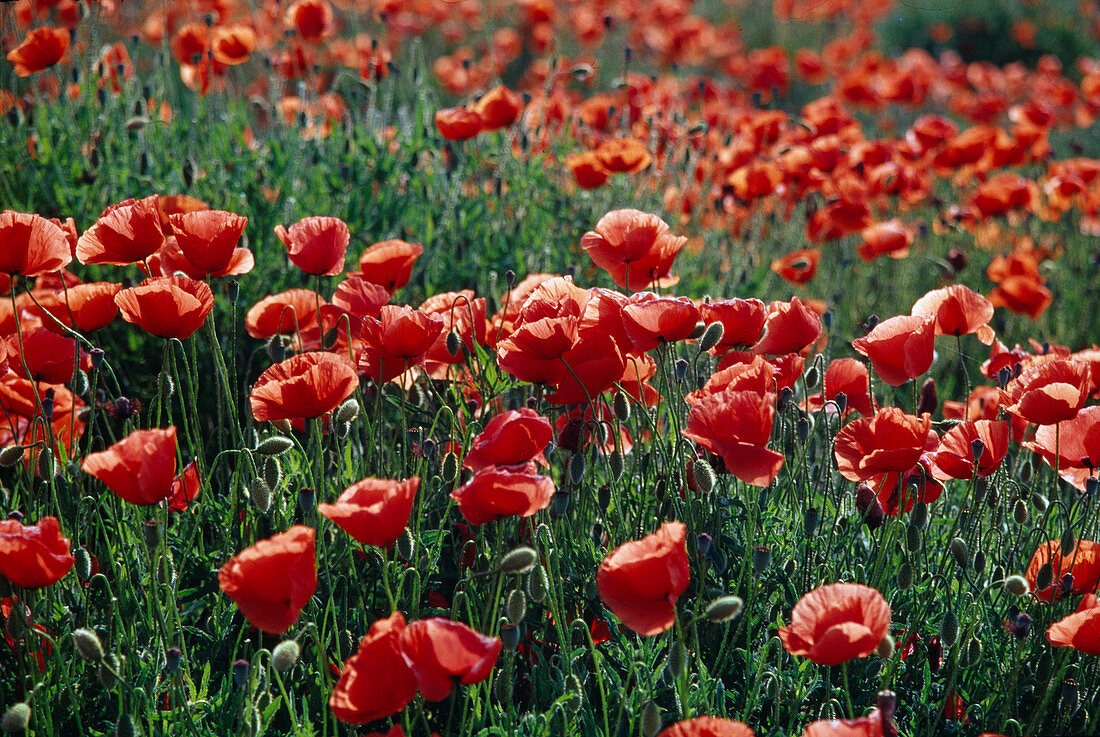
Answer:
x=303 y=386
x=443 y=654
x=185 y=488
x=126 y=232
x=1072 y=445
x=140 y=468
x=544 y=330
x=798 y=267
x=1081 y=630
x=374 y=511
x=167 y=306
x=272 y=581
x=707 y=727
x=32 y=245
x=34 y=556
x=651 y=320
x=41 y=49
x=837 y=623
x=312 y=19
x=889 y=441
x=588 y=170
x=208 y=241
x=849 y=377
x=640 y=581
x=892 y=238
x=389 y=264
x=959 y=311
x=503 y=491
x=736 y=425
x=899 y=348
x=742 y=322
x=955 y=456
x=1048 y=393
x=623 y=155
x=396 y=340
x=511 y=438
x=789 y=327
x=457 y=124
x=755 y=375
x=868 y=726
x=233 y=44
x=1082 y=563
x=47 y=356
x=375 y=682
x=86 y=307
x=317 y=244
x=294 y=310
x=635 y=248
x=498 y=108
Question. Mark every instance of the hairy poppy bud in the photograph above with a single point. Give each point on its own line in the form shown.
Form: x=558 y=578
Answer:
x=450 y=467
x=516 y=606
x=166 y=385
x=1039 y=502
x=712 y=336
x=812 y=377
x=651 y=720
x=511 y=634
x=406 y=545
x=272 y=472
x=79 y=384
x=1068 y=542
x=16 y=719
x=761 y=559
x=285 y=655
x=240 y=672
x=10 y=455
x=537 y=585
x=615 y=464
x=979 y=562
x=703 y=475
x=913 y=539
x=274 y=446
x=259 y=493
x=677 y=659
x=520 y=560
x=885 y=649
x=346 y=412
x=88 y=644
x=841 y=400
x=949 y=629
x=724 y=608
x=811 y=521
x=83 y=563
x=905 y=576
x=960 y=552
x=973 y=652
x=576 y=468
x=1045 y=577
x=622 y=407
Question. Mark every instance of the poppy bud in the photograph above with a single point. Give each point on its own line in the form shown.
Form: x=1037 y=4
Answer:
x=285 y=655
x=559 y=504
x=406 y=545
x=677 y=659
x=905 y=576
x=949 y=629
x=83 y=563
x=1068 y=542
x=576 y=695
x=973 y=652
x=240 y=672
x=520 y=560
x=166 y=386
x=576 y=468
x=516 y=606
x=712 y=336
x=125 y=726
x=283 y=426
x=869 y=507
x=1004 y=376
x=702 y=544
x=450 y=467
x=957 y=259
x=259 y=493
x=272 y=472
x=802 y=428
x=812 y=377
x=885 y=649
x=703 y=475
x=276 y=349
x=913 y=539
x=841 y=400
x=811 y=521
x=761 y=559
x=1045 y=577
x=979 y=562
x=1091 y=485
x=346 y=412
x=10 y=455
x=16 y=719
x=651 y=720
x=785 y=395
x=172 y=659
x=307 y=498
x=681 y=368
x=960 y=552
x=929 y=400
x=1067 y=582
x=872 y=323
x=111 y=665
x=724 y=608
x=511 y=634
x=88 y=644
x=151 y=532
x=537 y=585
x=1039 y=502
x=622 y=407
x=274 y=446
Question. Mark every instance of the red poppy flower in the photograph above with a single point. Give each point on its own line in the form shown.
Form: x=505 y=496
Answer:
x=955 y=456
x=545 y=329
x=511 y=438
x=357 y=298
x=208 y=240
x=1048 y=393
x=443 y=654
x=126 y=232
x=41 y=49
x=623 y=155
x=396 y=341
x=959 y=311
x=742 y=322
x=899 y=348
x=503 y=491
x=389 y=264
x=185 y=487
x=233 y=44
x=316 y=245
x=590 y=367
x=375 y=682
x=464 y=315
x=85 y=307
x=788 y=328
x=1071 y=445
x=898 y=491
x=640 y=581
x=755 y=375
x=707 y=727
x=837 y=623
x=374 y=511
x=48 y=356
x=32 y=244
x=635 y=248
x=890 y=441
x=283 y=314
x=167 y=306
x=140 y=468
x=33 y=556
x=892 y=238
x=799 y=267
x=272 y=581
x=312 y=19
x=737 y=425
x=1023 y=294
x=303 y=386
x=1081 y=630
x=651 y=320
x=868 y=726
x=1082 y=563
x=849 y=377
x=498 y=108
x=588 y=170
x=457 y=124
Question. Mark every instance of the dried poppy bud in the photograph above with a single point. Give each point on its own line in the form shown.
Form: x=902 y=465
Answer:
x=724 y=608
x=285 y=655
x=88 y=644
x=15 y=719
x=520 y=560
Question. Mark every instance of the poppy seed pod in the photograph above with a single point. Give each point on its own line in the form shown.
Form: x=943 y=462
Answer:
x=15 y=719
x=519 y=560
x=88 y=644
x=285 y=655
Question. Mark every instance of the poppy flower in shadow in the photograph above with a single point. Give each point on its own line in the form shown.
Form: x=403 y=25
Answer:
x=640 y=581
x=272 y=581
x=837 y=623
x=1082 y=563
x=374 y=511
x=33 y=556
x=303 y=386
x=317 y=244
x=375 y=682
x=737 y=425
x=443 y=654
x=167 y=306
x=40 y=49
x=1071 y=445
x=185 y=488
x=126 y=232
x=959 y=311
x=511 y=438
x=707 y=727
x=1081 y=630
x=47 y=355
x=635 y=248
x=140 y=468
x=32 y=245
x=1048 y=393
x=899 y=348
x=503 y=491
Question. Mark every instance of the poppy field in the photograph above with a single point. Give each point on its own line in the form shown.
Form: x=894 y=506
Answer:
x=556 y=367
